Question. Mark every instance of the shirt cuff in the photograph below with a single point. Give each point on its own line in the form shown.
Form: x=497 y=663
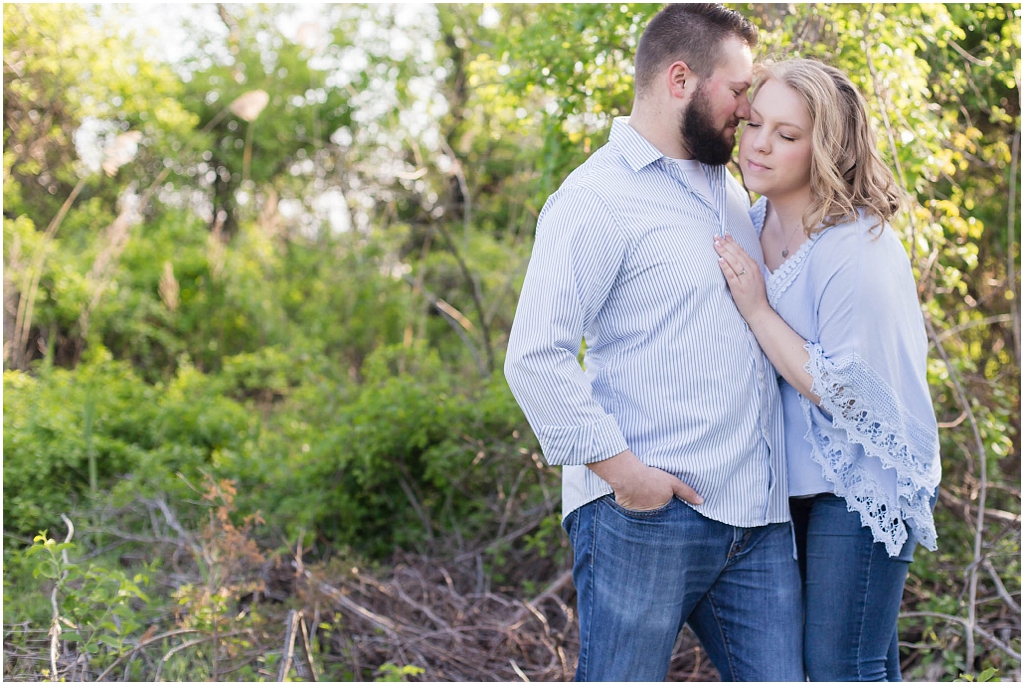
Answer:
x=578 y=445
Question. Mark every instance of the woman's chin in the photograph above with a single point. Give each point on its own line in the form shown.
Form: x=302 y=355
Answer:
x=752 y=185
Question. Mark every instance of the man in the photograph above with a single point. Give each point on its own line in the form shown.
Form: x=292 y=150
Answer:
x=674 y=492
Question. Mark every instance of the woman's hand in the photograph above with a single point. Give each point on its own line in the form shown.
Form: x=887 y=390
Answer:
x=743 y=276
x=784 y=347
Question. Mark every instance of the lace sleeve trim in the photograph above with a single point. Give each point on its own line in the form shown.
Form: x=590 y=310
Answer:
x=865 y=411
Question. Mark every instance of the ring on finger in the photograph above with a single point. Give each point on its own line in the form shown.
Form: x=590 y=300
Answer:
x=742 y=272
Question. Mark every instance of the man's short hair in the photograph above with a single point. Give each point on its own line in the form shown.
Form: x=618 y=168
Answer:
x=691 y=34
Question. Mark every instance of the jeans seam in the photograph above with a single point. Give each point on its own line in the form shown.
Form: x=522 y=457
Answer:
x=863 y=612
x=725 y=638
x=584 y=658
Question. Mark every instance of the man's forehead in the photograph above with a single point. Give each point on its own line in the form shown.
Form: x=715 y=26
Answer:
x=737 y=63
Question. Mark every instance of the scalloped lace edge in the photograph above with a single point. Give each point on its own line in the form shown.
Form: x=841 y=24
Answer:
x=864 y=496
x=862 y=493
x=866 y=420
x=784 y=276
x=780 y=279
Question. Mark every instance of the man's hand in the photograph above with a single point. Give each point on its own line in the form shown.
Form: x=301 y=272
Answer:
x=640 y=487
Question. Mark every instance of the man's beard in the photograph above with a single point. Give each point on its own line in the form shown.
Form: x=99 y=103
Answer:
x=704 y=142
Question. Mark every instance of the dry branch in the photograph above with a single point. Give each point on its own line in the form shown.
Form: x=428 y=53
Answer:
x=142 y=645
x=289 y=644
x=432 y=617
x=966 y=624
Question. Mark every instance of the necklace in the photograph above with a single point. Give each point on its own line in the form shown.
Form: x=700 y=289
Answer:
x=785 y=249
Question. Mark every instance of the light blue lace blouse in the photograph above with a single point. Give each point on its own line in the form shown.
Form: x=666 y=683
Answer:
x=850 y=293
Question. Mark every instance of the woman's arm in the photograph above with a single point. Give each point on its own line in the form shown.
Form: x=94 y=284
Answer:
x=780 y=343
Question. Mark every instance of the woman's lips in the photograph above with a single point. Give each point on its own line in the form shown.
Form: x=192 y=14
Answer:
x=754 y=166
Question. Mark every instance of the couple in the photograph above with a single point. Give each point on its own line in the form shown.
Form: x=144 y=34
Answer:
x=751 y=448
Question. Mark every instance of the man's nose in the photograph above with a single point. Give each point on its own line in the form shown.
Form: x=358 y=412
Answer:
x=743 y=107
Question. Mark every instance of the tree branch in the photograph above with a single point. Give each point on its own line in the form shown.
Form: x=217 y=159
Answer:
x=966 y=624
x=983 y=491
x=1011 y=232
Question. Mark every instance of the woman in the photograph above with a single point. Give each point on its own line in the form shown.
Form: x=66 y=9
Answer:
x=840 y=320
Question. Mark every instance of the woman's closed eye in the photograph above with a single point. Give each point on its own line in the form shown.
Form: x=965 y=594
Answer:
x=784 y=136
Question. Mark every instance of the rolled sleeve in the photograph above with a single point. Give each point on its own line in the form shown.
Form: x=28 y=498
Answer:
x=578 y=445
x=576 y=258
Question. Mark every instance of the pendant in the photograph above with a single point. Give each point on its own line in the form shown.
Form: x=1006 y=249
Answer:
x=785 y=253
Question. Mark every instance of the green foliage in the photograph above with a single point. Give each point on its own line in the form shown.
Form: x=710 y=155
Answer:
x=99 y=608
x=45 y=445
x=312 y=304
x=986 y=676
x=389 y=673
x=148 y=433
x=397 y=461
x=62 y=71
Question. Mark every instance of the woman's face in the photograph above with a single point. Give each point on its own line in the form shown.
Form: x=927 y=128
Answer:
x=775 y=148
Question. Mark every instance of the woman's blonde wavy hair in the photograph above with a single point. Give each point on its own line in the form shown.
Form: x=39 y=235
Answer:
x=847 y=172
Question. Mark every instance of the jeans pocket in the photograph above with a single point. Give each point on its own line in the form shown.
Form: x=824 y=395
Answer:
x=569 y=521
x=639 y=514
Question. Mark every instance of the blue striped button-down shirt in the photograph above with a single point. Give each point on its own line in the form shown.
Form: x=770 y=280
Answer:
x=624 y=259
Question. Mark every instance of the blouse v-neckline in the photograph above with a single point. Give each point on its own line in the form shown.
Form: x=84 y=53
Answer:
x=779 y=280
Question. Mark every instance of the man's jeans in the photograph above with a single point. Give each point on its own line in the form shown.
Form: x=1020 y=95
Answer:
x=852 y=591
x=641 y=575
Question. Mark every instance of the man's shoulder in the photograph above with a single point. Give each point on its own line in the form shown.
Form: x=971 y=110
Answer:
x=592 y=193
x=602 y=174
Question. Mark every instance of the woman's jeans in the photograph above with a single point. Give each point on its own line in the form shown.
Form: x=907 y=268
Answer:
x=852 y=593
x=640 y=576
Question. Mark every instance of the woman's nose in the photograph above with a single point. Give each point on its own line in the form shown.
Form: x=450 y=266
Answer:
x=761 y=140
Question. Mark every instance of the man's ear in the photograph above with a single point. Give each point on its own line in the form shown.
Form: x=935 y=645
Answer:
x=680 y=77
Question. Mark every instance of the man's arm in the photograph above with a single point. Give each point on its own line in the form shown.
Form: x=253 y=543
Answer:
x=576 y=257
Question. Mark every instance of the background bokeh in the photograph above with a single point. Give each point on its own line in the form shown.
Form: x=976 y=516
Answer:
x=260 y=264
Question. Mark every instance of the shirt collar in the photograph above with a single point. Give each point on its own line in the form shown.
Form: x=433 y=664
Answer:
x=637 y=150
